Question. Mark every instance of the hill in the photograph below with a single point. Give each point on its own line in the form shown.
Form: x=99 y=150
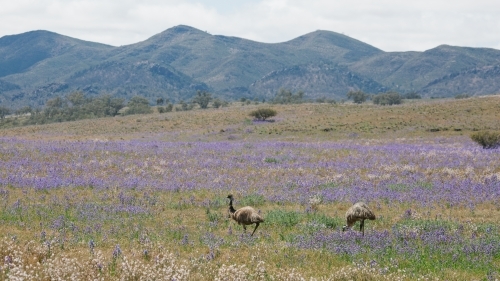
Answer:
x=298 y=122
x=38 y=65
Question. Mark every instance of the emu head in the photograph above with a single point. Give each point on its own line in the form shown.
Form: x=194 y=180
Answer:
x=230 y=197
x=344 y=228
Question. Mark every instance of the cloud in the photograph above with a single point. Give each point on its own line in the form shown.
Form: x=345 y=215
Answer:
x=390 y=25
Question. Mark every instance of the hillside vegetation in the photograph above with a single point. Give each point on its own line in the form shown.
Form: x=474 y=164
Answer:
x=144 y=197
x=38 y=65
x=307 y=121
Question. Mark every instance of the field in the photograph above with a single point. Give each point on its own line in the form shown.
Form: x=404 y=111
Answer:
x=143 y=197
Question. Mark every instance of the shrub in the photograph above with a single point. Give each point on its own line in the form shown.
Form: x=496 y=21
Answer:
x=488 y=140
x=138 y=105
x=389 y=98
x=263 y=113
x=412 y=96
x=357 y=96
x=284 y=96
x=462 y=96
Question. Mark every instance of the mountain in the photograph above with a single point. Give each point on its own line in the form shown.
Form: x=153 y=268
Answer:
x=413 y=71
x=38 y=65
x=317 y=80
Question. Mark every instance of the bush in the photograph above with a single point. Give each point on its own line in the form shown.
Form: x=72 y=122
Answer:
x=389 y=98
x=138 y=105
x=488 y=140
x=462 y=96
x=412 y=96
x=263 y=113
x=284 y=96
x=357 y=96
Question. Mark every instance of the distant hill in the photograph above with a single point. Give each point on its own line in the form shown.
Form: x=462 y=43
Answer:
x=174 y=64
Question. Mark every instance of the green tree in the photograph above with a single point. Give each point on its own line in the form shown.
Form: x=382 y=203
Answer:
x=462 y=96
x=202 y=99
x=24 y=110
x=4 y=111
x=357 y=96
x=285 y=96
x=263 y=113
x=412 y=96
x=56 y=102
x=138 y=105
x=76 y=98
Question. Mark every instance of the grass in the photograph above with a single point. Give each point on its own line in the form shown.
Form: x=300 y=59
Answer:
x=308 y=122
x=147 y=199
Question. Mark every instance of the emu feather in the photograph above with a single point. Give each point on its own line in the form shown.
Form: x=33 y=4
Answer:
x=245 y=215
x=358 y=212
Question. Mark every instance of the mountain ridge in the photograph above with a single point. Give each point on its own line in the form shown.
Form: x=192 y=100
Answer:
x=179 y=61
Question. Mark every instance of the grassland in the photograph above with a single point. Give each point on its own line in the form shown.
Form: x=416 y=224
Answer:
x=143 y=197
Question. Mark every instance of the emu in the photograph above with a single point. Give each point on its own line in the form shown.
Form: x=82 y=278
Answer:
x=244 y=216
x=358 y=212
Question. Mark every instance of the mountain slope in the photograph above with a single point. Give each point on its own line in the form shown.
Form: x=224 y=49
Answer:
x=411 y=71
x=174 y=64
x=332 y=81
x=21 y=52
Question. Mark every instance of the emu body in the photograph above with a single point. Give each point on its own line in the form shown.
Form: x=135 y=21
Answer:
x=244 y=216
x=358 y=212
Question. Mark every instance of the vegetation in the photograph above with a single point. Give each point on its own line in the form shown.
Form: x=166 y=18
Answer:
x=167 y=108
x=4 y=111
x=75 y=106
x=151 y=208
x=184 y=106
x=389 y=98
x=202 y=98
x=462 y=96
x=357 y=96
x=487 y=139
x=285 y=96
x=412 y=96
x=138 y=105
x=144 y=196
x=263 y=113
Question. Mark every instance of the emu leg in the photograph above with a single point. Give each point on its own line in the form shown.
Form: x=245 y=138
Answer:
x=362 y=227
x=245 y=228
x=256 y=225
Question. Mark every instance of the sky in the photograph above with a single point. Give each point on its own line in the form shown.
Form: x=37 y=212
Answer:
x=390 y=25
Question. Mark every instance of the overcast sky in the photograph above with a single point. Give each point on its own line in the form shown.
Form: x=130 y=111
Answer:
x=390 y=25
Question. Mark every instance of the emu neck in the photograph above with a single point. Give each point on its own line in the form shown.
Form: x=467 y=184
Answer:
x=231 y=208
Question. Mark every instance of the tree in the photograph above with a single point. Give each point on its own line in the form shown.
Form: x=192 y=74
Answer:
x=24 y=110
x=412 y=96
x=217 y=103
x=202 y=99
x=56 y=102
x=138 y=105
x=284 y=96
x=159 y=101
x=4 y=111
x=76 y=98
x=388 y=98
x=487 y=139
x=357 y=96
x=184 y=106
x=263 y=113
